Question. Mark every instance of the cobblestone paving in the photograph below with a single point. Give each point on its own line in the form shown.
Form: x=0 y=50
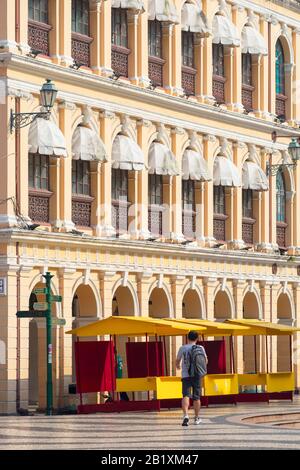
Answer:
x=222 y=428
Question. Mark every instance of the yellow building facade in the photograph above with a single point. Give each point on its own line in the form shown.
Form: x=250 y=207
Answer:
x=147 y=192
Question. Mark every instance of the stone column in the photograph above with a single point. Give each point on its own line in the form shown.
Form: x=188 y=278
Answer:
x=267 y=223
x=8 y=162
x=144 y=280
x=209 y=286
x=198 y=57
x=209 y=9
x=107 y=280
x=199 y=201
x=133 y=208
x=23 y=26
x=176 y=208
x=8 y=27
x=290 y=197
x=238 y=289
x=54 y=10
x=142 y=139
x=229 y=73
x=142 y=39
x=65 y=32
x=176 y=61
x=133 y=45
x=95 y=28
x=95 y=169
x=296 y=75
x=65 y=118
x=296 y=208
x=167 y=51
x=236 y=214
x=105 y=39
x=263 y=70
x=177 y=283
x=66 y=280
x=105 y=212
x=209 y=142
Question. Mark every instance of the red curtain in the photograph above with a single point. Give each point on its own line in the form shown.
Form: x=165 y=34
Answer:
x=216 y=354
x=95 y=366
x=136 y=354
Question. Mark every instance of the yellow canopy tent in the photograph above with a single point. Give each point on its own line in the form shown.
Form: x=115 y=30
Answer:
x=264 y=328
x=133 y=326
x=214 y=328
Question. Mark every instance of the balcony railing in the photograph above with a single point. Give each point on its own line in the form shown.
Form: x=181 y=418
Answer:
x=247 y=97
x=281 y=106
x=189 y=224
x=248 y=230
x=155 y=220
x=220 y=227
x=39 y=205
x=281 y=234
x=219 y=89
x=188 y=78
x=119 y=216
x=81 y=210
x=156 y=65
x=81 y=49
x=119 y=60
x=38 y=36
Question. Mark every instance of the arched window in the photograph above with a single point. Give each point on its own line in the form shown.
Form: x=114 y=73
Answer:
x=38 y=28
x=156 y=61
x=119 y=39
x=247 y=214
x=188 y=209
x=188 y=65
x=81 y=39
x=281 y=209
x=247 y=82
x=218 y=73
x=155 y=201
x=39 y=194
x=281 y=97
x=81 y=193
x=219 y=213
x=120 y=201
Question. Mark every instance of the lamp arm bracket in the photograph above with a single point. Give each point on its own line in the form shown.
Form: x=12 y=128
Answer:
x=20 y=120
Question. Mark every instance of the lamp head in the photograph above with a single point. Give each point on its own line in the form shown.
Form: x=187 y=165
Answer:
x=48 y=95
x=294 y=150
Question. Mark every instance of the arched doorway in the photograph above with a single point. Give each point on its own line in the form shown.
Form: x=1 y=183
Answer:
x=123 y=304
x=223 y=311
x=159 y=307
x=251 y=344
x=191 y=305
x=84 y=311
x=222 y=306
x=37 y=370
x=284 y=316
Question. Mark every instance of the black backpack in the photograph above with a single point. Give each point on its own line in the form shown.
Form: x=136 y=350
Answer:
x=197 y=357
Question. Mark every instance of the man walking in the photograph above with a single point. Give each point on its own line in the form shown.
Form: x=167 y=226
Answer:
x=191 y=377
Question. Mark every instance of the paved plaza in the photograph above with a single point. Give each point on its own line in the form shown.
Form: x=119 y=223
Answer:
x=222 y=428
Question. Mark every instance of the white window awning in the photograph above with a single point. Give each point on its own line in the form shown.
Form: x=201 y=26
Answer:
x=162 y=161
x=46 y=138
x=87 y=145
x=225 y=172
x=254 y=177
x=193 y=19
x=126 y=154
x=194 y=167
x=163 y=10
x=225 y=32
x=253 y=42
x=129 y=4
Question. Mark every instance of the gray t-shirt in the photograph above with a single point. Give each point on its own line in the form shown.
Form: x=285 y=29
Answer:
x=183 y=354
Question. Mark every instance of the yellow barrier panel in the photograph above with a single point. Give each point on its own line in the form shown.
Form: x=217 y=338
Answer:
x=143 y=384
x=252 y=379
x=280 y=382
x=221 y=384
x=168 y=387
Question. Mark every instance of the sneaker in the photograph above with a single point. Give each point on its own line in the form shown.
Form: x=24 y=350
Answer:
x=185 y=421
x=198 y=420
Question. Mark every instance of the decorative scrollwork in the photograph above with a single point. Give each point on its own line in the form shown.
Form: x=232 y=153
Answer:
x=20 y=120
